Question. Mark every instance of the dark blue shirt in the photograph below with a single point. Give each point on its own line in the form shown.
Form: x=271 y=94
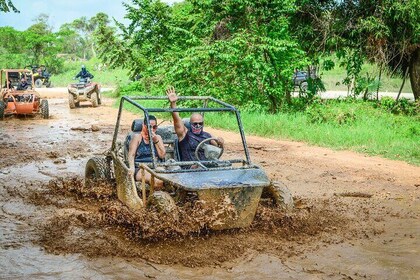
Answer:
x=188 y=145
x=143 y=153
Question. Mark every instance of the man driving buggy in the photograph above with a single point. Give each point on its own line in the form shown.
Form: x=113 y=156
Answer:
x=84 y=74
x=189 y=138
x=23 y=84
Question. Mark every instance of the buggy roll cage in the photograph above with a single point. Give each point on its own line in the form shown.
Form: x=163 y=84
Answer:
x=223 y=107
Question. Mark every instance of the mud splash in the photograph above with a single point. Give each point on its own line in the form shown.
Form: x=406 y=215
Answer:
x=94 y=223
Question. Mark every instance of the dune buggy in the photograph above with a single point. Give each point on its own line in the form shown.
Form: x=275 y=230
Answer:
x=233 y=185
x=15 y=100
x=84 y=90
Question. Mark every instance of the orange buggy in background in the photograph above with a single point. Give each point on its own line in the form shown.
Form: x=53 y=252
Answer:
x=20 y=101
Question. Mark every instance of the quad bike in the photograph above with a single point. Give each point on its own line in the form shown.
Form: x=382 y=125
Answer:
x=232 y=187
x=84 y=90
x=20 y=101
x=41 y=75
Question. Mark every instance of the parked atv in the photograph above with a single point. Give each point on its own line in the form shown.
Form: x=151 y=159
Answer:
x=15 y=100
x=231 y=187
x=41 y=75
x=84 y=90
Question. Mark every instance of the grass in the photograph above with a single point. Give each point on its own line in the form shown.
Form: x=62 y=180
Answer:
x=368 y=130
x=333 y=79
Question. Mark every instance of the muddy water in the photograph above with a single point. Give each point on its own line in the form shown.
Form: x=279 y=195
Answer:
x=51 y=228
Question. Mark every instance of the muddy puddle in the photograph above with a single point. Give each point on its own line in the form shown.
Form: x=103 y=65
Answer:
x=355 y=218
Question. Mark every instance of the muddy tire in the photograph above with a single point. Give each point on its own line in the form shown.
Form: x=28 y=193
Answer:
x=163 y=202
x=94 y=99
x=280 y=194
x=77 y=104
x=38 y=83
x=99 y=98
x=48 y=84
x=72 y=105
x=45 y=111
x=2 y=108
x=97 y=168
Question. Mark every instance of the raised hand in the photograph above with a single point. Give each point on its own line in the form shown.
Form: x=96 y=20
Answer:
x=170 y=92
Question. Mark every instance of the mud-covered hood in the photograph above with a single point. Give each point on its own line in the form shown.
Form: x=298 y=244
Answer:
x=230 y=178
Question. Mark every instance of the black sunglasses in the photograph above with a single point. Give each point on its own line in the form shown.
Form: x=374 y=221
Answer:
x=197 y=123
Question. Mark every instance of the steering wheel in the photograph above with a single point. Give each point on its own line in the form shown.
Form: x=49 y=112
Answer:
x=201 y=144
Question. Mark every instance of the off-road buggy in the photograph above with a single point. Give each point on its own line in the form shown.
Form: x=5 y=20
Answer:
x=20 y=101
x=232 y=187
x=84 y=90
x=41 y=75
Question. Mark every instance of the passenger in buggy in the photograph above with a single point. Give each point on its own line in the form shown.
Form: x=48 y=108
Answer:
x=139 y=150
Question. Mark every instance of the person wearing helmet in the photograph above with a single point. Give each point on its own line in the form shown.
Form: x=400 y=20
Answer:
x=84 y=74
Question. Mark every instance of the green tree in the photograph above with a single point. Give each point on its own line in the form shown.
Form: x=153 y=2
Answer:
x=386 y=32
x=238 y=50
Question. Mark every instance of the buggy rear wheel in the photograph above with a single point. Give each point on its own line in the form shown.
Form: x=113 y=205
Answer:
x=97 y=168
x=280 y=194
x=71 y=101
x=94 y=99
x=45 y=112
x=2 y=107
x=38 y=83
x=48 y=84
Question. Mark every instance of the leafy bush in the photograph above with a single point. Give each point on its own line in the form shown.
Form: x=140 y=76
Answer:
x=402 y=106
x=322 y=112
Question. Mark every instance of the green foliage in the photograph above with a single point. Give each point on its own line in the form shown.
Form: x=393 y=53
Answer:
x=326 y=112
x=35 y=46
x=402 y=106
x=240 y=51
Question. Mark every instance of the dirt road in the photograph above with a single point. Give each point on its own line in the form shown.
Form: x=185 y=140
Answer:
x=356 y=217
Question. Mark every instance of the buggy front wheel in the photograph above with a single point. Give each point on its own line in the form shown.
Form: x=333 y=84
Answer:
x=2 y=108
x=280 y=194
x=45 y=112
x=163 y=202
x=38 y=83
x=94 y=99
x=72 y=104
x=97 y=168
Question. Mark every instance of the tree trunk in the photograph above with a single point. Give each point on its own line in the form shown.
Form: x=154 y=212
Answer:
x=379 y=82
x=402 y=85
x=415 y=73
x=92 y=46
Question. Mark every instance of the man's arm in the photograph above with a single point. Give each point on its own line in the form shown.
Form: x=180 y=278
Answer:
x=179 y=126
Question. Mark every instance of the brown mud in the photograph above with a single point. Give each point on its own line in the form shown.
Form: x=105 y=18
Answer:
x=356 y=217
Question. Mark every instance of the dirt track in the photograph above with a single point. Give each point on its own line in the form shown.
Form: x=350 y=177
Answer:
x=357 y=217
